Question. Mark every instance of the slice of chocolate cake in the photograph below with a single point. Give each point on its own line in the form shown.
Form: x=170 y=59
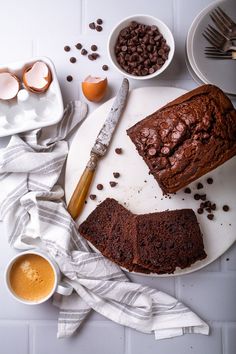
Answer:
x=110 y=228
x=167 y=240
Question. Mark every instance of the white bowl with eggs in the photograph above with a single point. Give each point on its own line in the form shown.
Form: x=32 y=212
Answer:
x=28 y=109
x=146 y=20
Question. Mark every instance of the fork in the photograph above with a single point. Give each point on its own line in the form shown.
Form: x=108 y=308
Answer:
x=213 y=53
x=216 y=39
x=224 y=23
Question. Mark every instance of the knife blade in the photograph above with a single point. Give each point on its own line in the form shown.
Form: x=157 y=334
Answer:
x=99 y=149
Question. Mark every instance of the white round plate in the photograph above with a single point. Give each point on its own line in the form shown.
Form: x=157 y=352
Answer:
x=136 y=189
x=210 y=71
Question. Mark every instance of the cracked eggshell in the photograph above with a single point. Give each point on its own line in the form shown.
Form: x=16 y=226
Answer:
x=37 y=77
x=9 y=86
x=94 y=88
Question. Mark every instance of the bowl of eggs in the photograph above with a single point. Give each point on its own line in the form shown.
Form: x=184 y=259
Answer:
x=141 y=47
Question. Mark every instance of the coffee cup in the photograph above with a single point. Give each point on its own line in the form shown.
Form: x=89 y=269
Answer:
x=32 y=277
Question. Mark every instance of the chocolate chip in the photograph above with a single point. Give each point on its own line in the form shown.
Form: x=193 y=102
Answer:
x=208 y=210
x=213 y=206
x=225 y=208
x=78 y=46
x=113 y=184
x=99 y=21
x=92 y=25
x=197 y=196
x=116 y=174
x=209 y=180
x=90 y=57
x=92 y=196
x=66 y=48
x=200 y=210
x=199 y=186
x=202 y=205
x=105 y=67
x=95 y=56
x=73 y=60
x=187 y=190
x=99 y=28
x=99 y=186
x=94 y=47
x=84 y=52
x=69 y=78
x=118 y=151
x=203 y=197
x=210 y=216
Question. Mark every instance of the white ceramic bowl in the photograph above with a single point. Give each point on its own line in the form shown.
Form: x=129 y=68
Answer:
x=147 y=20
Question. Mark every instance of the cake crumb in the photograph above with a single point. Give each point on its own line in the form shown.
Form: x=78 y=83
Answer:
x=118 y=151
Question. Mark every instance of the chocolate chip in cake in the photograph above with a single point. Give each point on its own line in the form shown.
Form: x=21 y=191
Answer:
x=209 y=180
x=94 y=47
x=210 y=216
x=105 y=67
x=116 y=174
x=187 y=190
x=84 y=52
x=113 y=184
x=66 y=48
x=199 y=185
x=99 y=21
x=69 y=78
x=118 y=151
x=99 y=28
x=208 y=210
x=197 y=196
x=78 y=46
x=73 y=60
x=92 y=196
x=225 y=208
x=99 y=186
x=92 y=25
x=200 y=210
x=213 y=206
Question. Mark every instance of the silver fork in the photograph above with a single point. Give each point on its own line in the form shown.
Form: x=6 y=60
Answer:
x=213 y=53
x=216 y=39
x=224 y=23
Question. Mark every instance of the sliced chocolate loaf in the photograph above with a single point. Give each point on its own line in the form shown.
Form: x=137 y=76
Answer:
x=167 y=240
x=110 y=228
x=187 y=138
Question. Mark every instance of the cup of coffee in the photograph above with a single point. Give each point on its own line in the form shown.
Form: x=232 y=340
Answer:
x=32 y=277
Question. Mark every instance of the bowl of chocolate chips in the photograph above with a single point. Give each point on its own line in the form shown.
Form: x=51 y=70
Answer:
x=141 y=47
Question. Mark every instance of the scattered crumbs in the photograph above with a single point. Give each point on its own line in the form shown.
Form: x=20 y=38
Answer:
x=69 y=78
x=197 y=196
x=99 y=28
x=84 y=51
x=209 y=180
x=221 y=224
x=145 y=181
x=229 y=224
x=200 y=210
x=169 y=197
x=99 y=186
x=92 y=25
x=161 y=198
x=118 y=151
x=225 y=208
x=92 y=196
x=187 y=190
x=99 y=21
x=85 y=202
x=203 y=197
x=105 y=67
x=78 y=46
x=199 y=186
x=156 y=197
x=182 y=198
x=66 y=48
x=94 y=47
x=138 y=191
x=227 y=259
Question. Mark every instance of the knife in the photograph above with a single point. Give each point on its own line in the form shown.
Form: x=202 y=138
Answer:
x=99 y=149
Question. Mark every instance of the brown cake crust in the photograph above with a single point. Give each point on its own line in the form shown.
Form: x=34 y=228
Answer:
x=187 y=138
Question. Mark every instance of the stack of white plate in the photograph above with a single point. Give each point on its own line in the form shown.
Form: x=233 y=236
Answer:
x=219 y=72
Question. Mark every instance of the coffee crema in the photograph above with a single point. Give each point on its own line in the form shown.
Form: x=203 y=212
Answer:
x=31 y=277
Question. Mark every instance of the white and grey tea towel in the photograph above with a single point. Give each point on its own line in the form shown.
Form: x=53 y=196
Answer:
x=35 y=215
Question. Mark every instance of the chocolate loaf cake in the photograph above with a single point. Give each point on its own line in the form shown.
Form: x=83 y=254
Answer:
x=167 y=240
x=187 y=138
x=157 y=242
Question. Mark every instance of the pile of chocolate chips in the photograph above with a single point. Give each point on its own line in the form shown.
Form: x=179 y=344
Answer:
x=141 y=49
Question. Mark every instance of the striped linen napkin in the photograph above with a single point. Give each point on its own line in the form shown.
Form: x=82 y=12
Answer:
x=35 y=215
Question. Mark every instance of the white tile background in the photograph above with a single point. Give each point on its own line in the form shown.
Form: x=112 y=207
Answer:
x=30 y=27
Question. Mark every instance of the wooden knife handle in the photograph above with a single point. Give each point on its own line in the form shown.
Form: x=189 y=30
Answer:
x=78 y=198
